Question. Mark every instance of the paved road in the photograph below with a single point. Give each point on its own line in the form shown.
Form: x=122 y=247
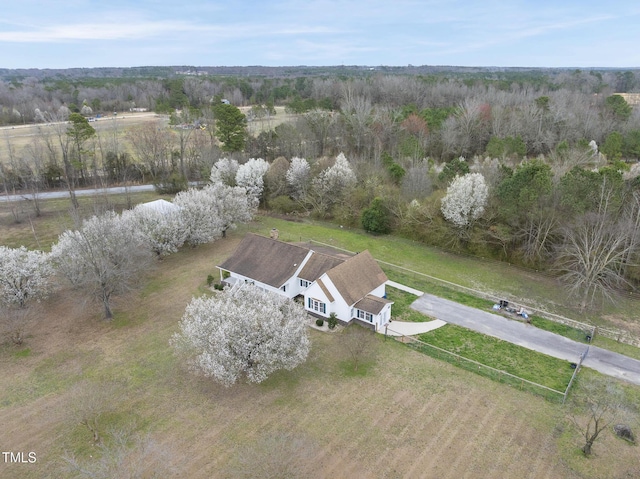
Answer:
x=528 y=336
x=49 y=195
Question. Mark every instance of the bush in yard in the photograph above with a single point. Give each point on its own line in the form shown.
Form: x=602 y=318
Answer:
x=319 y=322
x=210 y=280
x=332 y=322
x=376 y=218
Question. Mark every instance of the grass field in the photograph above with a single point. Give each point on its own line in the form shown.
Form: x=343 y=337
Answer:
x=401 y=310
x=18 y=137
x=15 y=139
x=495 y=353
x=409 y=416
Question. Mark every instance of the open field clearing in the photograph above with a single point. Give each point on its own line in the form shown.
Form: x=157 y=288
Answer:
x=258 y=125
x=407 y=415
x=18 y=137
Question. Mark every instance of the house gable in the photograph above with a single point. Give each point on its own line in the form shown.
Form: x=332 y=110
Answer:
x=356 y=277
x=317 y=265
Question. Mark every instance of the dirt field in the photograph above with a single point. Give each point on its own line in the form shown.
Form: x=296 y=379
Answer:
x=409 y=416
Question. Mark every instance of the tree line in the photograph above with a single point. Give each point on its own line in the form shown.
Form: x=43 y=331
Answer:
x=524 y=171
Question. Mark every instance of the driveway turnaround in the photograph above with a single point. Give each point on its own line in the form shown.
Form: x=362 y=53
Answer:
x=530 y=337
x=407 y=328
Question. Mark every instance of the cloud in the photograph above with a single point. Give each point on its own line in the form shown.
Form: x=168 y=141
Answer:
x=96 y=31
x=149 y=29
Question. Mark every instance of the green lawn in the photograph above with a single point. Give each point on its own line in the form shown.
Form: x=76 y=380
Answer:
x=561 y=329
x=501 y=355
x=496 y=279
x=401 y=311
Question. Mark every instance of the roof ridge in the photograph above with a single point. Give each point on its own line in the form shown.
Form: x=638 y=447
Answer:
x=279 y=241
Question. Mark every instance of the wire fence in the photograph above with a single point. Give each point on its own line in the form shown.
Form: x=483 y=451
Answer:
x=476 y=367
x=575 y=373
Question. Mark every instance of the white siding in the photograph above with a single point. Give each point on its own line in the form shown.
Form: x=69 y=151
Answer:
x=315 y=292
x=264 y=286
x=379 y=291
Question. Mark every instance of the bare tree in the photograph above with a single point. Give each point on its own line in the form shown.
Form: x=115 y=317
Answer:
x=15 y=321
x=152 y=145
x=126 y=455
x=597 y=404
x=90 y=402
x=595 y=250
x=359 y=343
x=62 y=142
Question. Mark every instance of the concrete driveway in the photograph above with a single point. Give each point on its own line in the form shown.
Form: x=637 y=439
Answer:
x=530 y=337
x=407 y=328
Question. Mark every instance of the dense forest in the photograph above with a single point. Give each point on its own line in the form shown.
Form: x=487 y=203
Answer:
x=538 y=167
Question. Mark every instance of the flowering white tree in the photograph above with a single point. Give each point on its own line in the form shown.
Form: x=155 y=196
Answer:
x=208 y=213
x=24 y=276
x=233 y=205
x=224 y=170
x=298 y=176
x=340 y=176
x=332 y=184
x=465 y=199
x=243 y=332
x=251 y=176
x=163 y=230
x=199 y=215
x=106 y=257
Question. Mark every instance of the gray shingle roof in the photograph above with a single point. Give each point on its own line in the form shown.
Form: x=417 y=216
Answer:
x=357 y=276
x=265 y=260
x=318 y=265
x=372 y=304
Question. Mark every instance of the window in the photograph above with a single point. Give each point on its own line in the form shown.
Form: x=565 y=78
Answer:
x=315 y=305
x=304 y=283
x=364 y=315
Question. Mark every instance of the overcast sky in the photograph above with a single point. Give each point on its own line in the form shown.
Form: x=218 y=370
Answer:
x=540 y=33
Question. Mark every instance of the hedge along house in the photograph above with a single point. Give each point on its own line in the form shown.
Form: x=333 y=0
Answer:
x=352 y=288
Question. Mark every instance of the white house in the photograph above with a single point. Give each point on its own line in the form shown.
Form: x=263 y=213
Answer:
x=352 y=288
